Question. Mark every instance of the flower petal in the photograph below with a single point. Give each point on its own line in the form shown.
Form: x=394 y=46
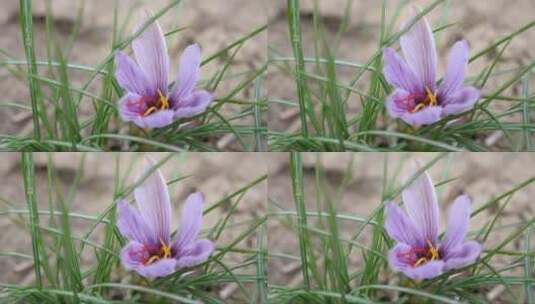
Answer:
x=150 y=50
x=160 y=268
x=456 y=70
x=188 y=72
x=133 y=255
x=131 y=224
x=464 y=255
x=428 y=270
x=130 y=106
x=421 y=204
x=400 y=227
x=195 y=254
x=194 y=104
x=130 y=77
x=190 y=222
x=158 y=119
x=427 y=116
x=418 y=46
x=458 y=220
x=397 y=103
x=399 y=256
x=152 y=198
x=462 y=101
x=399 y=74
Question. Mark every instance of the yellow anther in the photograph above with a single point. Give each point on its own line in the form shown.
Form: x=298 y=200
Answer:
x=163 y=100
x=433 y=250
x=166 y=250
x=419 y=107
x=420 y=262
x=431 y=97
x=149 y=111
x=152 y=259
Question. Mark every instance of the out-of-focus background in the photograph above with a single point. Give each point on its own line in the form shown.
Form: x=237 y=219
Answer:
x=480 y=22
x=483 y=176
x=211 y=23
x=216 y=175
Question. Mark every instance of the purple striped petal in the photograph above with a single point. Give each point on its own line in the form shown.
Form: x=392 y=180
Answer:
x=463 y=255
x=399 y=257
x=130 y=107
x=132 y=225
x=130 y=77
x=194 y=104
x=399 y=74
x=400 y=227
x=150 y=50
x=188 y=72
x=160 y=268
x=458 y=220
x=158 y=119
x=133 y=255
x=397 y=103
x=455 y=72
x=195 y=253
x=190 y=221
x=422 y=207
x=152 y=198
x=419 y=50
x=427 y=116
x=464 y=100
x=426 y=271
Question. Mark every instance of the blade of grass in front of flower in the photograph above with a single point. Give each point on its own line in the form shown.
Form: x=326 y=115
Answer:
x=526 y=113
x=259 y=134
x=261 y=266
x=528 y=265
x=370 y=110
x=71 y=272
x=294 y=26
x=105 y=260
x=103 y=111
x=28 y=170
x=25 y=15
x=296 y=173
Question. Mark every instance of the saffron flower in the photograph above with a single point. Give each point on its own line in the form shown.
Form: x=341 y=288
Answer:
x=151 y=251
x=147 y=102
x=418 y=99
x=419 y=253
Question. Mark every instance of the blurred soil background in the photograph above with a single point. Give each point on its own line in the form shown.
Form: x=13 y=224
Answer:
x=483 y=176
x=216 y=175
x=211 y=23
x=481 y=22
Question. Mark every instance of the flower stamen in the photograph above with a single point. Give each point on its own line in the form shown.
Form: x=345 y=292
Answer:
x=163 y=253
x=161 y=104
x=429 y=101
x=166 y=249
x=431 y=98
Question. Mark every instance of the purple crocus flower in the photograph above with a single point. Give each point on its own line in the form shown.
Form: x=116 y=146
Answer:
x=419 y=253
x=151 y=251
x=417 y=98
x=147 y=102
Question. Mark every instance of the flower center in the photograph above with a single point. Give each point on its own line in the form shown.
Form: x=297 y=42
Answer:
x=162 y=103
x=163 y=253
x=430 y=100
x=424 y=255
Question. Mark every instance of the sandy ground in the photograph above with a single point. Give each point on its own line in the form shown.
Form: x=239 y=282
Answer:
x=213 y=24
x=215 y=175
x=480 y=22
x=482 y=176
